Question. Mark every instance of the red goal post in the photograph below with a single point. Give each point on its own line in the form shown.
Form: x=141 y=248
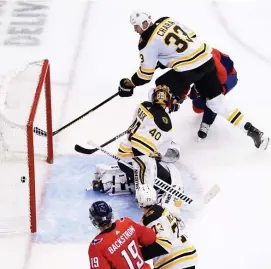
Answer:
x=26 y=96
x=46 y=81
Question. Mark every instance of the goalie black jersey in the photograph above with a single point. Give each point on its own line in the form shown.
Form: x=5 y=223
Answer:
x=150 y=132
x=171 y=44
x=181 y=253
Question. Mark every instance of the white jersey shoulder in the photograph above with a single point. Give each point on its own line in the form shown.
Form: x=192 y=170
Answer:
x=172 y=44
x=179 y=249
x=151 y=131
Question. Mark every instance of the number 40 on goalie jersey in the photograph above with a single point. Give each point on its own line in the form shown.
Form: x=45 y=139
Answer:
x=150 y=132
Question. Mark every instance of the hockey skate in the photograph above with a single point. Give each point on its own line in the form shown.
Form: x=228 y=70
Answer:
x=258 y=137
x=203 y=131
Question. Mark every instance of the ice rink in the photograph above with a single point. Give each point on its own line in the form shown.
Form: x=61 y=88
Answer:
x=91 y=46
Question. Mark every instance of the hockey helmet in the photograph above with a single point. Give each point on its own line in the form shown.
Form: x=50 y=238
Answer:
x=161 y=95
x=146 y=196
x=100 y=214
x=138 y=17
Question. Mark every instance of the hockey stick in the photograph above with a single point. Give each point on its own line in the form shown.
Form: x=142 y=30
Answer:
x=83 y=150
x=159 y=183
x=41 y=132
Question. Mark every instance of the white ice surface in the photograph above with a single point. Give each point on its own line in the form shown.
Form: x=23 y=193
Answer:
x=234 y=231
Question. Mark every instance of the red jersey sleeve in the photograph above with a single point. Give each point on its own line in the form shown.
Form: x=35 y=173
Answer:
x=221 y=71
x=145 y=235
x=96 y=259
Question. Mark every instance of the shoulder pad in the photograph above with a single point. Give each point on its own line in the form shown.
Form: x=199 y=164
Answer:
x=148 y=33
x=160 y=20
x=163 y=122
x=146 y=108
x=161 y=118
x=153 y=214
x=146 y=104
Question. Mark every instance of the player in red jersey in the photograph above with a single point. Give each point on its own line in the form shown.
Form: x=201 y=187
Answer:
x=227 y=76
x=118 y=244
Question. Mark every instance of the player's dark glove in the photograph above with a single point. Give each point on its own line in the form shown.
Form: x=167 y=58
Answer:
x=126 y=88
x=178 y=99
x=174 y=108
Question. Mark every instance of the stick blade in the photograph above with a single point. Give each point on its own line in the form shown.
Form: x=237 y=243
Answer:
x=83 y=150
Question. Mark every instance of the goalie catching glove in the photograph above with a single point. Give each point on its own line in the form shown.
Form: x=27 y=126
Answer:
x=126 y=88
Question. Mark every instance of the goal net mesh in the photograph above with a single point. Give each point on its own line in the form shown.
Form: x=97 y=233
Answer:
x=25 y=102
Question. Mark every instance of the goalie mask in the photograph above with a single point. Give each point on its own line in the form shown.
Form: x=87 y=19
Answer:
x=100 y=214
x=146 y=196
x=161 y=95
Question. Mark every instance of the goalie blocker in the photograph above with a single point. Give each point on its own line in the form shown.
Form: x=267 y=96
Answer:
x=110 y=179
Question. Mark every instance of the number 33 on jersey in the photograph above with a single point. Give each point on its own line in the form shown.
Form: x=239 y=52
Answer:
x=173 y=45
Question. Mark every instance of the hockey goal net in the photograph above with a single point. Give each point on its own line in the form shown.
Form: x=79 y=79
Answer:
x=25 y=102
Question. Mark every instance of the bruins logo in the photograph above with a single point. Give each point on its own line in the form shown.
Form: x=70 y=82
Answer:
x=165 y=120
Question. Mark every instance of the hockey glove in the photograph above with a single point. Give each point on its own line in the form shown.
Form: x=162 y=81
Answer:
x=172 y=155
x=174 y=108
x=178 y=99
x=126 y=88
x=175 y=103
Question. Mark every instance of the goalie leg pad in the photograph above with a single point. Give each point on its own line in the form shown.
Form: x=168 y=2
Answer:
x=147 y=169
x=110 y=179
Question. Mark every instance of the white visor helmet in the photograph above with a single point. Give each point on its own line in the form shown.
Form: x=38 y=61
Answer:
x=138 y=17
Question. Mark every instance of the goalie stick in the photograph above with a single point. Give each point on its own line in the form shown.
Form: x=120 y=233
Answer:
x=83 y=150
x=159 y=183
x=41 y=132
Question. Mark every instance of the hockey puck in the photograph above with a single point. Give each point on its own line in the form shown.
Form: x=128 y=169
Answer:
x=23 y=179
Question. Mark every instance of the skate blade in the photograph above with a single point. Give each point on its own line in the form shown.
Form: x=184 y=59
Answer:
x=264 y=145
x=267 y=143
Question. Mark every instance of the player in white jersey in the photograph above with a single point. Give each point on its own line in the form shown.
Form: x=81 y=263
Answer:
x=150 y=136
x=170 y=44
x=179 y=253
x=149 y=139
x=151 y=150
